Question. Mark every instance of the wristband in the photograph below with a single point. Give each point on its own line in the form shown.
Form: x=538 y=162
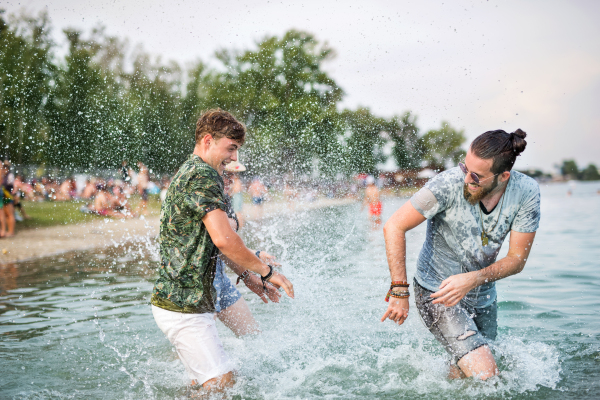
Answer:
x=242 y=276
x=267 y=277
x=401 y=295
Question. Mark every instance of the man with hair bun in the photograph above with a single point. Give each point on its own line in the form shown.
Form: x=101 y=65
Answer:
x=470 y=209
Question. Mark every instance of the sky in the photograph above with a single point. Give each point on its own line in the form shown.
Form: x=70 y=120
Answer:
x=479 y=65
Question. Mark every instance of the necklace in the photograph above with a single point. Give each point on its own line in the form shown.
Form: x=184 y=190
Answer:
x=484 y=234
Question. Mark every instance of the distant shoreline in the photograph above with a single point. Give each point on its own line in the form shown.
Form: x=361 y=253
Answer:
x=35 y=243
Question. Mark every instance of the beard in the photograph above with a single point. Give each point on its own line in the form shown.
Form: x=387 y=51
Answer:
x=474 y=198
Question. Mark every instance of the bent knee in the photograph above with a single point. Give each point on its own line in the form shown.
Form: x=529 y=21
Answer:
x=479 y=363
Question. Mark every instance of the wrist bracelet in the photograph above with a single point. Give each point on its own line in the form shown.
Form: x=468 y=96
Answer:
x=267 y=277
x=257 y=253
x=402 y=295
x=242 y=276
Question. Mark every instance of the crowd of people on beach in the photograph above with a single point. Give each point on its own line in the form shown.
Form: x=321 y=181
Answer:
x=110 y=196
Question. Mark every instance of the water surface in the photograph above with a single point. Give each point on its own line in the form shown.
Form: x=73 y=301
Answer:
x=79 y=325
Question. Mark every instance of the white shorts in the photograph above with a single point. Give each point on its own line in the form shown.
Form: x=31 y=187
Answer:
x=197 y=343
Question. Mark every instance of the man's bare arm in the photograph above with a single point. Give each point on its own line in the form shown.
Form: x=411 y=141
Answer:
x=232 y=246
x=394 y=232
x=455 y=287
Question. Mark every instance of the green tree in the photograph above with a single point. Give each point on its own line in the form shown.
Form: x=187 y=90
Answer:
x=84 y=110
x=407 y=151
x=157 y=133
x=443 y=146
x=364 y=140
x=285 y=98
x=26 y=75
x=569 y=169
x=590 y=173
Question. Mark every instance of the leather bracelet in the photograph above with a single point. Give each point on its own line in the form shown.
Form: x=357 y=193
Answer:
x=265 y=278
x=242 y=276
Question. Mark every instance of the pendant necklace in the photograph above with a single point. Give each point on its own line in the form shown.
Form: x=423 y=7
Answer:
x=484 y=234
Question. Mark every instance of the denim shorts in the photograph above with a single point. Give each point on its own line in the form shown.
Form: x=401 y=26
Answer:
x=227 y=294
x=460 y=329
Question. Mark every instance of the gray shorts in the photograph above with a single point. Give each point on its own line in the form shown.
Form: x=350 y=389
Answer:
x=460 y=329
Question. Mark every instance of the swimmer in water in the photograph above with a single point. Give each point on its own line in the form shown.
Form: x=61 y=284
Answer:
x=372 y=200
x=471 y=208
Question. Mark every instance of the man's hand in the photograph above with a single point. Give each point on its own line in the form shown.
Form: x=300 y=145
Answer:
x=268 y=259
x=397 y=311
x=254 y=283
x=454 y=288
x=280 y=281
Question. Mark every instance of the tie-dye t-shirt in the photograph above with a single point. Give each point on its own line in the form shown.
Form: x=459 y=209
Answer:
x=453 y=242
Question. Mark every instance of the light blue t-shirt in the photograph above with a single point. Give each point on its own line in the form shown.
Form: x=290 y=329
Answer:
x=453 y=241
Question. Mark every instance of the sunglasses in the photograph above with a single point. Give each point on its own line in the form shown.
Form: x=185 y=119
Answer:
x=474 y=176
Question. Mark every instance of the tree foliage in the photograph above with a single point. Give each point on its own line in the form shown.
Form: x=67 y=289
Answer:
x=102 y=104
x=569 y=168
x=443 y=147
x=26 y=80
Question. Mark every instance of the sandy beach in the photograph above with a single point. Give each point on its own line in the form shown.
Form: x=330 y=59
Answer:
x=43 y=242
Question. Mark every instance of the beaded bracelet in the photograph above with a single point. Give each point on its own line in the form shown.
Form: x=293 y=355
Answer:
x=403 y=295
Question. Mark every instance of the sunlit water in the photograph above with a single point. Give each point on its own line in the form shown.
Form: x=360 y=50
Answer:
x=79 y=325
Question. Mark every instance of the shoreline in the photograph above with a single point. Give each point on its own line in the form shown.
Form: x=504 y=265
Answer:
x=50 y=241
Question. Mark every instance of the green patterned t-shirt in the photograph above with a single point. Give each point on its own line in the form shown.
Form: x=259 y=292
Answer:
x=187 y=254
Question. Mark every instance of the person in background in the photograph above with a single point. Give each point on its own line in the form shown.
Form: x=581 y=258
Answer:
x=235 y=189
x=2 y=215
x=21 y=191
x=119 y=200
x=105 y=203
x=257 y=191
x=89 y=191
x=372 y=200
x=143 y=179
x=125 y=172
x=470 y=210
x=231 y=308
x=8 y=180
x=64 y=191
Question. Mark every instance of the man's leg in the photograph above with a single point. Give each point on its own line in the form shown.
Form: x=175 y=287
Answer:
x=239 y=318
x=9 y=213
x=457 y=331
x=198 y=345
x=479 y=363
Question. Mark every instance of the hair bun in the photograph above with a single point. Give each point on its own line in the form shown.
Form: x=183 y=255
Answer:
x=518 y=141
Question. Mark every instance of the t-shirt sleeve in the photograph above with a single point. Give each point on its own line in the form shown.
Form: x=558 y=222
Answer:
x=528 y=216
x=203 y=195
x=435 y=196
x=425 y=203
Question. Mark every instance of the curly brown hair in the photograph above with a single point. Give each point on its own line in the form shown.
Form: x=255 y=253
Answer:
x=219 y=124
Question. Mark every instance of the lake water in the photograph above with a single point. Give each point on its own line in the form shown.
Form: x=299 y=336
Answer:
x=79 y=325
